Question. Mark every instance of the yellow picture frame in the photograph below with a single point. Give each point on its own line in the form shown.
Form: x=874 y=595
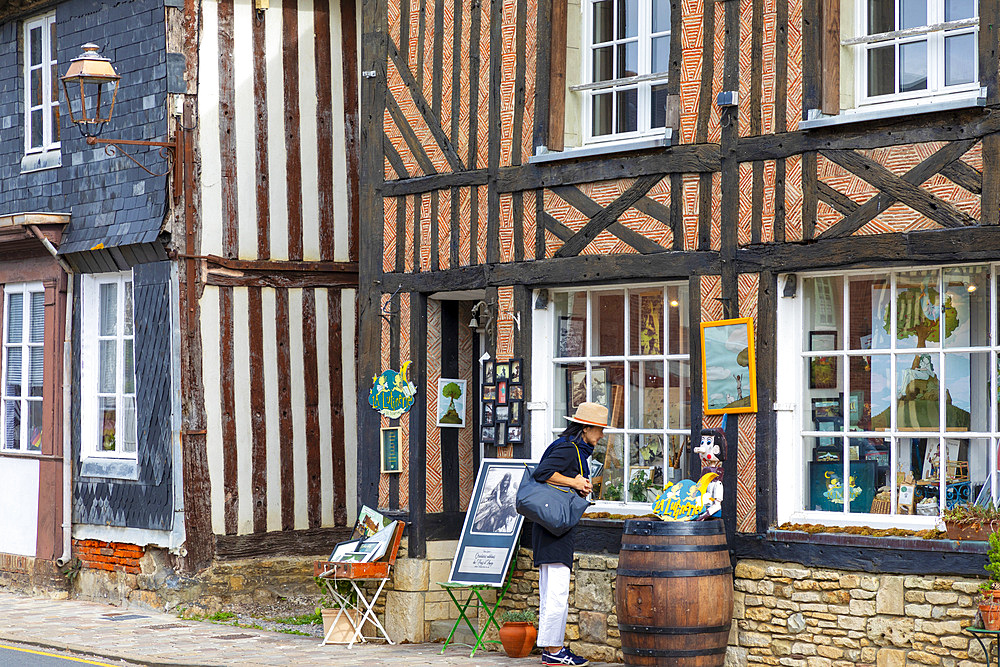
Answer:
x=726 y=351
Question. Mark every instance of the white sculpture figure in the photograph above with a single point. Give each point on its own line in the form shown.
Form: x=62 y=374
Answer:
x=712 y=451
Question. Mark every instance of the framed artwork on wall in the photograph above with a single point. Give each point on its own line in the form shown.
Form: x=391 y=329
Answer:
x=570 y=341
x=823 y=370
x=389 y=449
x=729 y=376
x=451 y=400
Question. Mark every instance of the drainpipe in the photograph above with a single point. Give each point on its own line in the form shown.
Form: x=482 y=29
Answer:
x=67 y=522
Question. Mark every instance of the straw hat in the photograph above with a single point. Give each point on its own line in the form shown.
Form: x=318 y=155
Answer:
x=590 y=414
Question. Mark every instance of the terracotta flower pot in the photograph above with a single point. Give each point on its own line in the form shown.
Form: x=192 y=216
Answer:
x=343 y=631
x=518 y=638
x=970 y=530
x=991 y=615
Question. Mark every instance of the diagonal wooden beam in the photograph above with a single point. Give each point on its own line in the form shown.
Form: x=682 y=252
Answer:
x=654 y=209
x=839 y=201
x=409 y=136
x=635 y=239
x=894 y=188
x=395 y=161
x=432 y=119
x=601 y=220
x=967 y=177
x=556 y=227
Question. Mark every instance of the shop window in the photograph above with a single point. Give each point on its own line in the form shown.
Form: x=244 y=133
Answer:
x=627 y=349
x=108 y=415
x=41 y=85
x=894 y=382
x=23 y=366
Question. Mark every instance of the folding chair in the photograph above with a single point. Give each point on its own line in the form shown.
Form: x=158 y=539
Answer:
x=474 y=598
x=331 y=573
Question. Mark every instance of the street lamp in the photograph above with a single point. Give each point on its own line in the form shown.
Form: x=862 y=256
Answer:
x=91 y=73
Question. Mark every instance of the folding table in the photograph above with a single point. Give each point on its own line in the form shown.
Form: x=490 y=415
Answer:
x=474 y=598
x=332 y=573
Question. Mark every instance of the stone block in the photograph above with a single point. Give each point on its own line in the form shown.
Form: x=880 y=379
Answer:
x=736 y=657
x=437 y=571
x=749 y=569
x=439 y=630
x=404 y=616
x=796 y=623
x=917 y=610
x=442 y=550
x=897 y=631
x=593 y=627
x=594 y=651
x=436 y=611
x=862 y=607
x=410 y=574
x=941 y=597
x=924 y=658
x=591 y=562
x=593 y=591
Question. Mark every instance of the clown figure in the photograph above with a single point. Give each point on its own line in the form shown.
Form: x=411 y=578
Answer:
x=712 y=451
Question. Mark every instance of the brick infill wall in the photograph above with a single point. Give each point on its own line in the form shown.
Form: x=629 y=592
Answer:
x=109 y=556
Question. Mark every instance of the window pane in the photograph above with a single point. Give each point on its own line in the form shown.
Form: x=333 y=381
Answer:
x=661 y=15
x=881 y=392
x=628 y=109
x=52 y=41
x=54 y=83
x=35 y=46
x=959 y=59
x=109 y=362
x=12 y=424
x=975 y=453
x=881 y=71
x=917 y=392
x=601 y=115
x=912 y=13
x=677 y=320
x=36 y=91
x=603 y=64
x=37 y=127
x=676 y=458
x=628 y=18
x=128 y=309
x=918 y=309
x=607 y=387
x=106 y=417
x=955 y=10
x=571 y=324
x=603 y=22
x=612 y=446
x=658 y=106
x=128 y=382
x=34 y=425
x=645 y=468
x=36 y=370
x=13 y=383
x=109 y=309
x=679 y=395
x=608 y=326
x=15 y=315
x=570 y=390
x=865 y=387
x=881 y=16
x=645 y=396
x=646 y=325
x=628 y=59
x=660 y=54
x=36 y=326
x=967 y=307
x=912 y=66
x=824 y=311
x=127 y=429
x=870 y=312
x=966 y=391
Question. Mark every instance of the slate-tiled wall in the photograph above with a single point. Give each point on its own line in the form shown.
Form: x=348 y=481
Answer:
x=147 y=502
x=111 y=201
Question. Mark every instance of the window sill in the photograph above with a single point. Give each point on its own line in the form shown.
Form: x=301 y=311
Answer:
x=907 y=543
x=610 y=148
x=41 y=161
x=891 y=112
x=110 y=468
x=18 y=454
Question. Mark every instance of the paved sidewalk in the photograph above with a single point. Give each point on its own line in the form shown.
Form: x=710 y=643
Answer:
x=157 y=638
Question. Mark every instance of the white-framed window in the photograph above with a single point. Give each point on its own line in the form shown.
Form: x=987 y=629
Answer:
x=625 y=60
x=892 y=372
x=23 y=366
x=626 y=348
x=41 y=85
x=108 y=410
x=908 y=50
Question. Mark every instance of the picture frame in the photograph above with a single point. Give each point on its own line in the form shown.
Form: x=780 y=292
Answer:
x=827 y=408
x=823 y=371
x=855 y=403
x=600 y=392
x=389 y=440
x=515 y=392
x=501 y=392
x=489 y=413
x=488 y=434
x=343 y=549
x=451 y=403
x=617 y=406
x=490 y=392
x=826 y=486
x=501 y=434
x=515 y=414
x=502 y=413
x=488 y=374
x=570 y=337
x=831 y=425
x=576 y=393
x=491 y=531
x=514 y=434
x=502 y=370
x=729 y=374
x=515 y=371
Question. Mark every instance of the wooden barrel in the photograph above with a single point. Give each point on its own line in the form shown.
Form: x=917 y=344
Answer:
x=674 y=593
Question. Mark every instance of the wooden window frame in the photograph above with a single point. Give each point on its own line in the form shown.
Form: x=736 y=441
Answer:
x=48 y=107
x=24 y=398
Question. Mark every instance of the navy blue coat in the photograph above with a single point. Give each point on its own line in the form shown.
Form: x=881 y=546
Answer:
x=560 y=457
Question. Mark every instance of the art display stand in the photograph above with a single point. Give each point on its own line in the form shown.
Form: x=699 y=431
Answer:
x=474 y=601
x=354 y=604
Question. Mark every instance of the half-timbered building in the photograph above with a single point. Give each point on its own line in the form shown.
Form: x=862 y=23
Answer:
x=608 y=175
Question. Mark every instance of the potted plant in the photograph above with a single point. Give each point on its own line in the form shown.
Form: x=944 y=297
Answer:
x=343 y=626
x=518 y=632
x=989 y=598
x=972 y=522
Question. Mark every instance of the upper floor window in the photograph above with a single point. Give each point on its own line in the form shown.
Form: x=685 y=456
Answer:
x=911 y=49
x=23 y=366
x=627 y=349
x=41 y=85
x=108 y=411
x=626 y=60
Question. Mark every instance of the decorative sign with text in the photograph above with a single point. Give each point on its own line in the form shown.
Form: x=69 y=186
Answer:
x=392 y=394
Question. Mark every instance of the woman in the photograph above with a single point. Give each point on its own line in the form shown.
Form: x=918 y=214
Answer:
x=564 y=463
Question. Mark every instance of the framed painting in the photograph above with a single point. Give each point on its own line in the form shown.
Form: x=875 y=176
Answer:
x=570 y=341
x=729 y=376
x=823 y=371
x=515 y=371
x=389 y=449
x=489 y=412
x=451 y=403
x=488 y=374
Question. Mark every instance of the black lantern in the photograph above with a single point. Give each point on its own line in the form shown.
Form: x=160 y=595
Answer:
x=94 y=85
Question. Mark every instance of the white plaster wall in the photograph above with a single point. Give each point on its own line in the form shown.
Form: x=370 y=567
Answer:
x=19 y=497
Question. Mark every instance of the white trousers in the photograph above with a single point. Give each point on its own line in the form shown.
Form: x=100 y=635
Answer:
x=553 y=603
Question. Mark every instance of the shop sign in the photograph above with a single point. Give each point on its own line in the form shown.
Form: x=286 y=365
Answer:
x=392 y=394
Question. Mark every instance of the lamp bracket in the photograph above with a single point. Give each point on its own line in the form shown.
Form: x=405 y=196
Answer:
x=112 y=148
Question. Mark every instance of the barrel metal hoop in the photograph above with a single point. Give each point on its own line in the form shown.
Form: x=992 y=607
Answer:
x=667 y=653
x=666 y=574
x=636 y=527
x=661 y=630
x=629 y=546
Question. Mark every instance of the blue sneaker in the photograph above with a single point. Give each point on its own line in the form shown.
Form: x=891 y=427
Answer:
x=563 y=657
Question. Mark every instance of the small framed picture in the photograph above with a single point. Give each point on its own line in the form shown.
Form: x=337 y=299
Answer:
x=515 y=392
x=488 y=376
x=501 y=434
x=823 y=371
x=514 y=434
x=827 y=408
x=501 y=392
x=489 y=414
x=489 y=392
x=515 y=371
x=514 y=415
x=502 y=413
x=389 y=446
x=828 y=454
x=488 y=434
x=503 y=370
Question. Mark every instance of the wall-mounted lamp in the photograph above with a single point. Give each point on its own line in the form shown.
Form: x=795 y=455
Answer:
x=791 y=284
x=94 y=77
x=481 y=317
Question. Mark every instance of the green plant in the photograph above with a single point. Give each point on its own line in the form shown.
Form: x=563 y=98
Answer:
x=637 y=486
x=993 y=563
x=613 y=491
x=343 y=588
x=72 y=570
x=971 y=513
x=518 y=616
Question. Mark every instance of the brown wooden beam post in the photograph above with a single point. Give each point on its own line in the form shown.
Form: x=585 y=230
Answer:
x=417 y=544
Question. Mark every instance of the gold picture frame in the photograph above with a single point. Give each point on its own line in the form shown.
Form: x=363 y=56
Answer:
x=728 y=372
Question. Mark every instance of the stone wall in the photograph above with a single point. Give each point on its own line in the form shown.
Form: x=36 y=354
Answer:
x=790 y=615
